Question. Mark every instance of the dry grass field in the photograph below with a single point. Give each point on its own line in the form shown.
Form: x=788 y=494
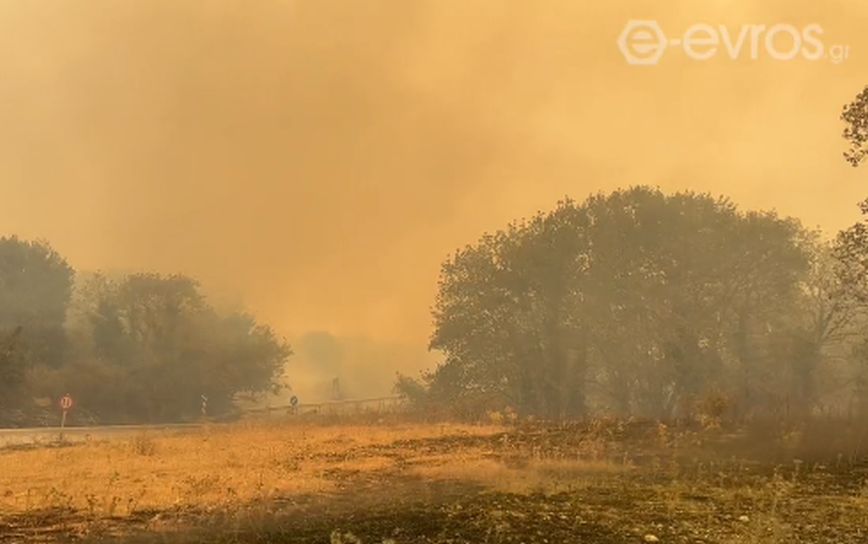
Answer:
x=401 y=482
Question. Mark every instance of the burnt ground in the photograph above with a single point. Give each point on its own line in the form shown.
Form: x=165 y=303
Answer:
x=679 y=489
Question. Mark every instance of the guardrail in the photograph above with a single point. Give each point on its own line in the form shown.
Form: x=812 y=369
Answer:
x=334 y=407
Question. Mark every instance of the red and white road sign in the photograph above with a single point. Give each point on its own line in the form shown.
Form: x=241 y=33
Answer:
x=66 y=402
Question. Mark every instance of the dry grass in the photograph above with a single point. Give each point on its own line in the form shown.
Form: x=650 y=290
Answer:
x=536 y=476
x=205 y=468
x=258 y=481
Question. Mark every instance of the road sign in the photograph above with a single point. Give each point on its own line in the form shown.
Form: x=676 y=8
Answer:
x=293 y=401
x=66 y=404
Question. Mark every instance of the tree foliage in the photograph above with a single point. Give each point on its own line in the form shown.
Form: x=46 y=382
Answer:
x=35 y=290
x=634 y=301
x=12 y=367
x=855 y=115
x=851 y=274
x=145 y=347
x=164 y=346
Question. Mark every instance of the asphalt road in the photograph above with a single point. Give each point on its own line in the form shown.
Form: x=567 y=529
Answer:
x=45 y=435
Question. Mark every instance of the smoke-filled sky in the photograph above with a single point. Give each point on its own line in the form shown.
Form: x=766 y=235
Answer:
x=316 y=160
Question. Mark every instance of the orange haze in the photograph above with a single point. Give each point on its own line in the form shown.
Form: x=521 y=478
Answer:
x=316 y=160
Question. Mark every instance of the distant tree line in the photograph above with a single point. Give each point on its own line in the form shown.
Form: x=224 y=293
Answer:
x=661 y=305
x=144 y=347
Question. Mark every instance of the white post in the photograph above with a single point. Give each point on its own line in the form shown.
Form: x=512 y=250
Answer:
x=62 y=424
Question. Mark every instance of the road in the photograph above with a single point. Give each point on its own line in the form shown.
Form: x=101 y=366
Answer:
x=44 y=435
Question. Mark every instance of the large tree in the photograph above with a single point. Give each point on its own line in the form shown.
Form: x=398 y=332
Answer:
x=851 y=245
x=640 y=299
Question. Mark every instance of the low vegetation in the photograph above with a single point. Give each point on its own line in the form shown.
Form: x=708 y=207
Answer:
x=605 y=481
